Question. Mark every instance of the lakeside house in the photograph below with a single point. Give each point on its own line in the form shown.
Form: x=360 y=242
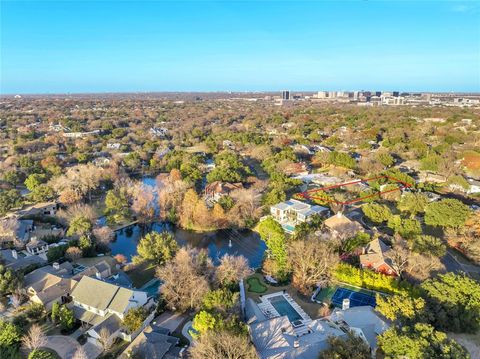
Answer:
x=216 y=190
x=50 y=284
x=363 y=321
x=99 y=304
x=293 y=212
x=286 y=336
x=375 y=257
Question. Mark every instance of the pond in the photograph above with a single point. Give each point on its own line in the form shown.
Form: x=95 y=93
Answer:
x=217 y=243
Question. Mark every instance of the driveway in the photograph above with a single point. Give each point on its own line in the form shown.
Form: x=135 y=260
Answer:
x=64 y=346
x=168 y=320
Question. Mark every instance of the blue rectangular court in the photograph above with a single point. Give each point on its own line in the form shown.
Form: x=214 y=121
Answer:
x=357 y=299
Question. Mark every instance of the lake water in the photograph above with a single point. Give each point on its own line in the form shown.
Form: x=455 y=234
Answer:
x=217 y=243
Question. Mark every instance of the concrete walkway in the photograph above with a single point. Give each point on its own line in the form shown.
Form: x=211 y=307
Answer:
x=185 y=332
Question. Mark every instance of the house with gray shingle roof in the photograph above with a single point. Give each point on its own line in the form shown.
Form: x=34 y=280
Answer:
x=104 y=305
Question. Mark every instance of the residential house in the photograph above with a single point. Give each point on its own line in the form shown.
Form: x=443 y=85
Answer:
x=19 y=261
x=425 y=176
x=293 y=212
x=113 y=146
x=159 y=132
x=341 y=226
x=278 y=338
x=375 y=257
x=216 y=190
x=104 y=305
x=50 y=284
x=38 y=209
x=296 y=169
x=362 y=321
x=153 y=343
x=228 y=145
x=80 y=134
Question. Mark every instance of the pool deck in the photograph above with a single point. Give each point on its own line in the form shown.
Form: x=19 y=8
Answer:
x=314 y=310
x=271 y=312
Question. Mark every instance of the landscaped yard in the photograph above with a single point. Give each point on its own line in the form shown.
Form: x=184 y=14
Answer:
x=141 y=274
x=314 y=310
x=254 y=284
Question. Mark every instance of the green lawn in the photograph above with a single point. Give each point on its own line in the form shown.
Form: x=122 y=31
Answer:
x=141 y=274
x=254 y=284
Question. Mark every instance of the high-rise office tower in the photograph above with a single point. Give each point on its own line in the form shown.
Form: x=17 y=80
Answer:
x=286 y=95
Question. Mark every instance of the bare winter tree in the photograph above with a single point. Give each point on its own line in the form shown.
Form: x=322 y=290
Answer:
x=73 y=253
x=35 y=338
x=310 y=261
x=399 y=256
x=186 y=279
x=80 y=354
x=104 y=339
x=221 y=345
x=232 y=269
x=104 y=234
x=8 y=229
x=143 y=202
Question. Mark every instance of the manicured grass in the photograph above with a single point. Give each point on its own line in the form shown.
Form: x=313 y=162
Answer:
x=141 y=274
x=255 y=285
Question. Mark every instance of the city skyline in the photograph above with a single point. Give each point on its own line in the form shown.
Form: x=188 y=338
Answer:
x=69 y=47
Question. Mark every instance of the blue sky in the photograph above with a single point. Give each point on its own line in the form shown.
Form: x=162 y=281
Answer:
x=107 y=46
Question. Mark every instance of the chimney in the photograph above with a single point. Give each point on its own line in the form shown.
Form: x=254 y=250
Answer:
x=346 y=304
x=98 y=275
x=14 y=254
x=56 y=266
x=339 y=214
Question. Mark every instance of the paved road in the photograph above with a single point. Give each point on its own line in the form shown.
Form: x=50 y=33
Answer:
x=453 y=265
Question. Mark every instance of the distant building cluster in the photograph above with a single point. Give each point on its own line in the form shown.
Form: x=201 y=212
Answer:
x=382 y=98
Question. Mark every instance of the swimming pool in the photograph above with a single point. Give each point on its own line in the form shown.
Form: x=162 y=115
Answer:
x=283 y=307
x=152 y=287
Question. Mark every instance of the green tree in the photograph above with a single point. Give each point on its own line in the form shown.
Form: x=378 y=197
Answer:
x=274 y=236
x=10 y=334
x=351 y=347
x=447 y=213
x=413 y=203
x=341 y=159
x=157 y=247
x=134 y=318
x=66 y=318
x=9 y=199
x=386 y=159
x=79 y=225
x=12 y=177
x=42 y=354
x=420 y=341
x=455 y=300
x=431 y=245
x=228 y=168
x=203 y=322
x=9 y=280
x=403 y=309
x=34 y=180
x=377 y=213
x=117 y=206
x=55 y=314
x=220 y=300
